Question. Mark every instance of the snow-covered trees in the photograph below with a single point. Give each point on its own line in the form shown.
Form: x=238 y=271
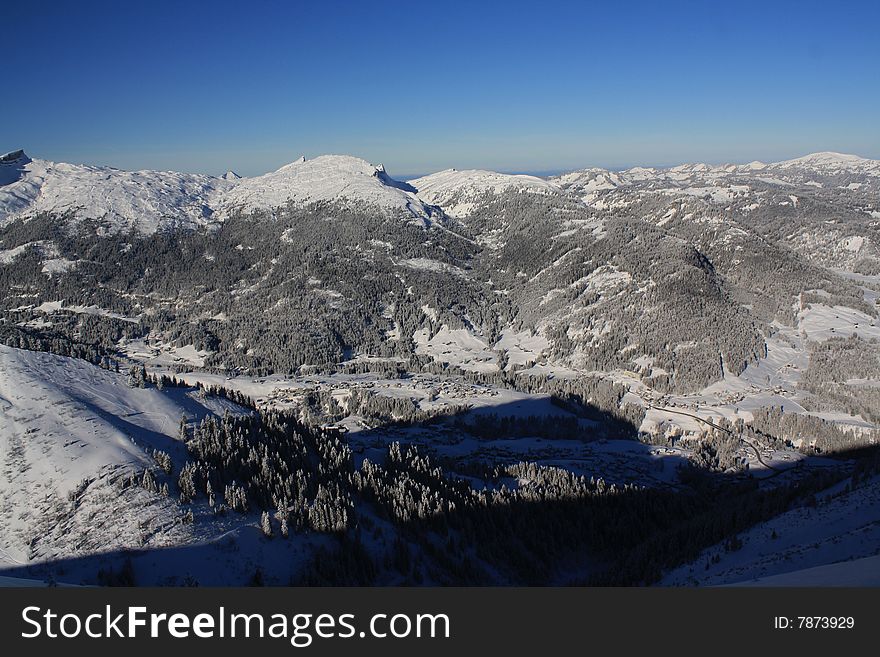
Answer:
x=149 y=482
x=266 y=524
x=163 y=460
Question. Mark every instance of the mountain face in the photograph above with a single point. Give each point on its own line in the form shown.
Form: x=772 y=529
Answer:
x=676 y=274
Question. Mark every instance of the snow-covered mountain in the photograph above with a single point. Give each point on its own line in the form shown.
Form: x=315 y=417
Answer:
x=832 y=163
x=148 y=201
x=457 y=191
x=824 y=164
x=589 y=183
x=141 y=200
x=338 y=178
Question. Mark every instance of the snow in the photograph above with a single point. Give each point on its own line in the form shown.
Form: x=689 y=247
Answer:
x=823 y=545
x=57 y=266
x=63 y=420
x=772 y=381
x=143 y=200
x=426 y=264
x=47 y=249
x=67 y=426
x=456 y=191
x=720 y=183
x=50 y=307
x=603 y=281
x=833 y=162
x=522 y=347
x=854 y=572
x=156 y=353
x=148 y=201
x=325 y=178
x=820 y=322
x=854 y=243
x=457 y=347
x=589 y=184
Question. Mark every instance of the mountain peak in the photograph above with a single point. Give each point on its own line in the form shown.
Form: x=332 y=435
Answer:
x=230 y=175
x=12 y=167
x=832 y=155
x=825 y=158
x=18 y=157
x=456 y=191
x=324 y=178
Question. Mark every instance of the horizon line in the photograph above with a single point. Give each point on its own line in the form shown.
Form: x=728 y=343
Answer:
x=542 y=172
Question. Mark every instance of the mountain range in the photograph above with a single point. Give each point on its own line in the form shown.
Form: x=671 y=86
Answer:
x=678 y=274
x=325 y=353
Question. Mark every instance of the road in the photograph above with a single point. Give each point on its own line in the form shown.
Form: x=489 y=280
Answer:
x=741 y=438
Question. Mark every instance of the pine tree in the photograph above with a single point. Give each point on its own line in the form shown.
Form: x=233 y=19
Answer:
x=149 y=482
x=266 y=524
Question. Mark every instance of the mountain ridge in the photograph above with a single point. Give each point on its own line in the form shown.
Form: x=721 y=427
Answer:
x=148 y=201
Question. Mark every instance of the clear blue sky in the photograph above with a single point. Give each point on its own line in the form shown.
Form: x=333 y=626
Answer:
x=521 y=86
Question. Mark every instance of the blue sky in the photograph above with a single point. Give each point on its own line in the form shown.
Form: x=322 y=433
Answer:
x=517 y=86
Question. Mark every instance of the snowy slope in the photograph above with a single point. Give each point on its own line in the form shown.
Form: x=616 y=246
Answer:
x=588 y=184
x=325 y=178
x=855 y=572
x=456 y=191
x=140 y=200
x=799 y=545
x=63 y=420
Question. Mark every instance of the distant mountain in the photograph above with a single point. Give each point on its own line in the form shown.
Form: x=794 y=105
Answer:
x=147 y=201
x=140 y=200
x=829 y=162
x=456 y=191
x=337 y=178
